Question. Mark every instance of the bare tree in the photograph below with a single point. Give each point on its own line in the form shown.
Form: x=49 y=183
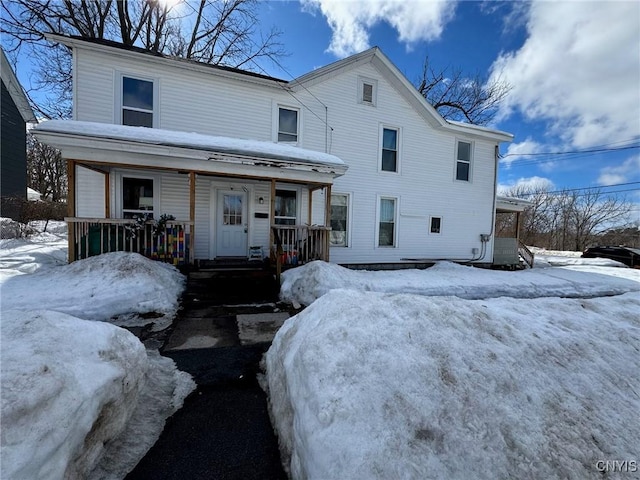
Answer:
x=46 y=170
x=219 y=32
x=457 y=96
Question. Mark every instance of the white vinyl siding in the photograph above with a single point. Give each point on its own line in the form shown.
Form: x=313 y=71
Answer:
x=90 y=193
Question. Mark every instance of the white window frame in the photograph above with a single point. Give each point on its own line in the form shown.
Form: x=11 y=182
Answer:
x=396 y=218
x=398 y=130
x=431 y=218
x=119 y=107
x=276 y=123
x=347 y=240
x=374 y=93
x=119 y=204
x=470 y=162
x=298 y=201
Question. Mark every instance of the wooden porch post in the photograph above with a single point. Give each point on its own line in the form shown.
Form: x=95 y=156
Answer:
x=272 y=213
x=518 y=226
x=71 y=207
x=327 y=220
x=192 y=214
x=107 y=195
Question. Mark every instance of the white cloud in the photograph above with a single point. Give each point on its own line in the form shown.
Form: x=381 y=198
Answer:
x=579 y=70
x=526 y=184
x=628 y=171
x=515 y=151
x=351 y=20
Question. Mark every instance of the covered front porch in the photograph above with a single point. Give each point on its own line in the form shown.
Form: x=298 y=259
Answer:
x=184 y=198
x=508 y=249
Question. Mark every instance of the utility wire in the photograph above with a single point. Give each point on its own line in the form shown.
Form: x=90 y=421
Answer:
x=586 y=188
x=574 y=152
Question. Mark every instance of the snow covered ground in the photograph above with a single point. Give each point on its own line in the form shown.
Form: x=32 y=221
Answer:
x=475 y=374
x=81 y=398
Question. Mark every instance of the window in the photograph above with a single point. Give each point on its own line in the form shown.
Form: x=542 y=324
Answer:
x=436 y=225
x=367 y=90
x=287 y=125
x=389 y=150
x=339 y=219
x=463 y=161
x=137 y=197
x=232 y=209
x=286 y=208
x=137 y=102
x=386 y=227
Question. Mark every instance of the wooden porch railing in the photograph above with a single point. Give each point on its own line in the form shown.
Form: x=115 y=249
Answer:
x=172 y=243
x=299 y=244
x=525 y=253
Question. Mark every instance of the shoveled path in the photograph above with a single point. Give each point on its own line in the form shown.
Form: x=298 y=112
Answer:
x=223 y=430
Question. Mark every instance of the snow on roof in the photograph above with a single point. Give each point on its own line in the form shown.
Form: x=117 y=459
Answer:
x=199 y=141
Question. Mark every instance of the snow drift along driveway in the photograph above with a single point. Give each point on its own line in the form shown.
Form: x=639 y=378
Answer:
x=378 y=386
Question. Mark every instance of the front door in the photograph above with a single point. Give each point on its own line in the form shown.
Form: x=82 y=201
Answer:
x=231 y=224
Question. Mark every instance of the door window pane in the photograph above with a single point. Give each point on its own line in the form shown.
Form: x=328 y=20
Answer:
x=232 y=209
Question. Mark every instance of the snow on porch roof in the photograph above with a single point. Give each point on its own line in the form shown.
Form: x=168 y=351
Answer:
x=197 y=141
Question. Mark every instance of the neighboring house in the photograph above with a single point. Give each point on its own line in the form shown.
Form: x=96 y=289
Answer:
x=15 y=112
x=348 y=162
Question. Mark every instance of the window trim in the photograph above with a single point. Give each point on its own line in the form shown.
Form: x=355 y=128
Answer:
x=347 y=243
x=469 y=162
x=374 y=92
x=276 y=123
x=119 y=200
x=431 y=219
x=398 y=130
x=396 y=218
x=119 y=107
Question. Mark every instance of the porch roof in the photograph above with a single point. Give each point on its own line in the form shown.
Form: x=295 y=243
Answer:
x=153 y=147
x=511 y=204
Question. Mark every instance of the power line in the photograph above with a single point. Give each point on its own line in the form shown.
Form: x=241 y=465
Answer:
x=574 y=152
x=584 y=188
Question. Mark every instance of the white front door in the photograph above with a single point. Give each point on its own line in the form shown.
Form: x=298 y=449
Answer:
x=231 y=224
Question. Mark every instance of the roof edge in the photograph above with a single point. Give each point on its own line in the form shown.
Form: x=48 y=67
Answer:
x=16 y=91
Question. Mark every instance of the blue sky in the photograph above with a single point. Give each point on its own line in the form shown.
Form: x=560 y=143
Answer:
x=574 y=68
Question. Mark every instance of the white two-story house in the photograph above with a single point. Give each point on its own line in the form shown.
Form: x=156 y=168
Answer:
x=347 y=163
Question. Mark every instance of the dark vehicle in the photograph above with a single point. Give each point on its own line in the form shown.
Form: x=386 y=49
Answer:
x=626 y=255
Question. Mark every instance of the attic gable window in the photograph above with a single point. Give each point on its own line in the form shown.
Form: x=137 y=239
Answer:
x=367 y=91
x=137 y=102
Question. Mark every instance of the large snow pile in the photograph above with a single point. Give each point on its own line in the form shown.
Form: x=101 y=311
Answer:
x=81 y=398
x=377 y=386
x=99 y=287
x=307 y=283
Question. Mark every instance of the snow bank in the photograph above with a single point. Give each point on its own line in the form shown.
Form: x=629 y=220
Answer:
x=377 y=386
x=99 y=287
x=309 y=282
x=80 y=396
x=60 y=404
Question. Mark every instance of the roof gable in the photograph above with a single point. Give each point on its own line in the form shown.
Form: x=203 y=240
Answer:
x=390 y=72
x=14 y=88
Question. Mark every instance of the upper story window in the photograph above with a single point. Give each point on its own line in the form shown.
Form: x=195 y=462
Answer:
x=463 y=161
x=137 y=102
x=286 y=209
x=367 y=91
x=288 y=125
x=389 y=150
x=137 y=197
